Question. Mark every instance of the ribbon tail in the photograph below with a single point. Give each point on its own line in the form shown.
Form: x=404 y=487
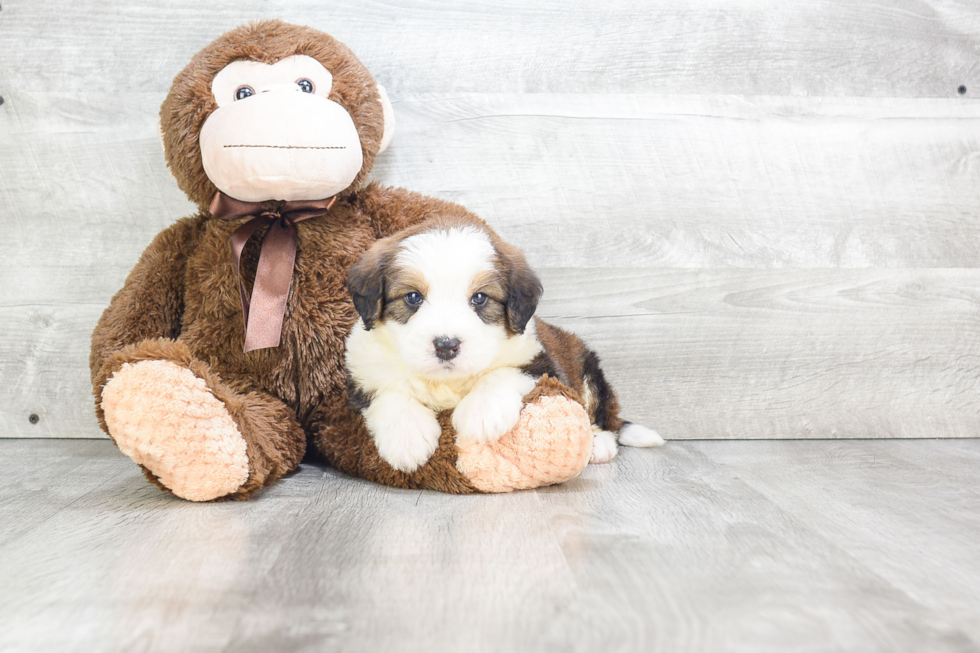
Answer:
x=238 y=241
x=271 y=289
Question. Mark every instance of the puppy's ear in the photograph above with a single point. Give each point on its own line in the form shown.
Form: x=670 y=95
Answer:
x=523 y=289
x=366 y=282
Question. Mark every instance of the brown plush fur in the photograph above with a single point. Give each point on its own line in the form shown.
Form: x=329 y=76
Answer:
x=185 y=286
x=181 y=301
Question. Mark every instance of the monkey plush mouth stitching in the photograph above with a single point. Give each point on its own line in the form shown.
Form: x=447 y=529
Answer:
x=296 y=147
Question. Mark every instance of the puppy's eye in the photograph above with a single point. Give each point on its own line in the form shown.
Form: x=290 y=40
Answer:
x=243 y=92
x=305 y=85
x=479 y=299
x=413 y=298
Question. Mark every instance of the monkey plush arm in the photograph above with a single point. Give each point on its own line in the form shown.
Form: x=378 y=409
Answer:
x=151 y=302
x=551 y=443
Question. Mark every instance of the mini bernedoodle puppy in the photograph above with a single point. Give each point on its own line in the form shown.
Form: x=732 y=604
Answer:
x=445 y=323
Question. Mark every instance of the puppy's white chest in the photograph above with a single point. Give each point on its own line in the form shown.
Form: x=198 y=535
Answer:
x=441 y=395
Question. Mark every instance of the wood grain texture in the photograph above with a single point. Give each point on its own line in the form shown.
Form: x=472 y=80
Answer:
x=740 y=138
x=926 y=548
x=645 y=181
x=786 y=354
x=706 y=546
x=585 y=181
x=880 y=48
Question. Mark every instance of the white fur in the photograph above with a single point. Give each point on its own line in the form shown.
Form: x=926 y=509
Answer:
x=481 y=383
x=603 y=447
x=374 y=360
x=635 y=435
x=405 y=432
x=448 y=260
x=493 y=406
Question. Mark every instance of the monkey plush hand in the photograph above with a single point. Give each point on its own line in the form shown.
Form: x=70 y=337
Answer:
x=223 y=354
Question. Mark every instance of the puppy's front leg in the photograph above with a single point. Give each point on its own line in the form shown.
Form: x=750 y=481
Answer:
x=493 y=406
x=405 y=432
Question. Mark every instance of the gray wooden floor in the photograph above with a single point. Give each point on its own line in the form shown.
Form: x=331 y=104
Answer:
x=701 y=546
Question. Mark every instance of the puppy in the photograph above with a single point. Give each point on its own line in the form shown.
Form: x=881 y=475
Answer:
x=446 y=323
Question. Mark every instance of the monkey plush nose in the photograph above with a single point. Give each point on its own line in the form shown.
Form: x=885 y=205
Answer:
x=446 y=348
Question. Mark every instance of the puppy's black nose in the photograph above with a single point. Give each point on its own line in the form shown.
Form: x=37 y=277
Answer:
x=446 y=348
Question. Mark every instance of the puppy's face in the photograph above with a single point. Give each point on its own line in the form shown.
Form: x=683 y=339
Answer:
x=447 y=296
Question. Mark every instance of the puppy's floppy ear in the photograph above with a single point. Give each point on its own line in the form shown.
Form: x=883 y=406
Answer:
x=523 y=288
x=366 y=282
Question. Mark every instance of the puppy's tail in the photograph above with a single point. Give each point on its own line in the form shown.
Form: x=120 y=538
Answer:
x=635 y=435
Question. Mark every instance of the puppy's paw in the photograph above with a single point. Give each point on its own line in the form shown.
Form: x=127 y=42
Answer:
x=634 y=435
x=405 y=432
x=603 y=447
x=490 y=410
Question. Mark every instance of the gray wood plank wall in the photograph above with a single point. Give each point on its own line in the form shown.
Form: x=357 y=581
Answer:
x=763 y=215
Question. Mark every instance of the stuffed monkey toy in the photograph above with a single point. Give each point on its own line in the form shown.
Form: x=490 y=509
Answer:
x=220 y=362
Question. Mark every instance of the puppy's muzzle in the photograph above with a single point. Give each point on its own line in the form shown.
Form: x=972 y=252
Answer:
x=446 y=348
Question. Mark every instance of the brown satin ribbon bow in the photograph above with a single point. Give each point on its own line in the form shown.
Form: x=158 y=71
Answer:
x=263 y=314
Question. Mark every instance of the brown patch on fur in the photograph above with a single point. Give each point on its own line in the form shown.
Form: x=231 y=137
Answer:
x=493 y=312
x=604 y=405
x=566 y=349
x=577 y=366
x=378 y=285
x=492 y=284
x=402 y=281
x=397 y=310
x=366 y=281
x=543 y=364
x=523 y=287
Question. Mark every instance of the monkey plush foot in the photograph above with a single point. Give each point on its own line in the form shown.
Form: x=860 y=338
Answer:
x=551 y=443
x=164 y=417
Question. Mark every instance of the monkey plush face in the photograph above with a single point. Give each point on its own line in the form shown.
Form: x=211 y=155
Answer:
x=276 y=134
x=272 y=111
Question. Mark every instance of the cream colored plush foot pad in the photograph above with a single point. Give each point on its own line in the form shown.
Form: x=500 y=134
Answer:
x=551 y=443
x=164 y=418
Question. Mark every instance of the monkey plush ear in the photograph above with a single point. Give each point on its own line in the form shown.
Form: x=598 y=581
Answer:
x=524 y=289
x=366 y=282
x=389 y=114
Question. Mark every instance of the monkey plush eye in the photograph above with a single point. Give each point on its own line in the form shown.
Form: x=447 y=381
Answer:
x=413 y=298
x=479 y=299
x=243 y=92
x=306 y=85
